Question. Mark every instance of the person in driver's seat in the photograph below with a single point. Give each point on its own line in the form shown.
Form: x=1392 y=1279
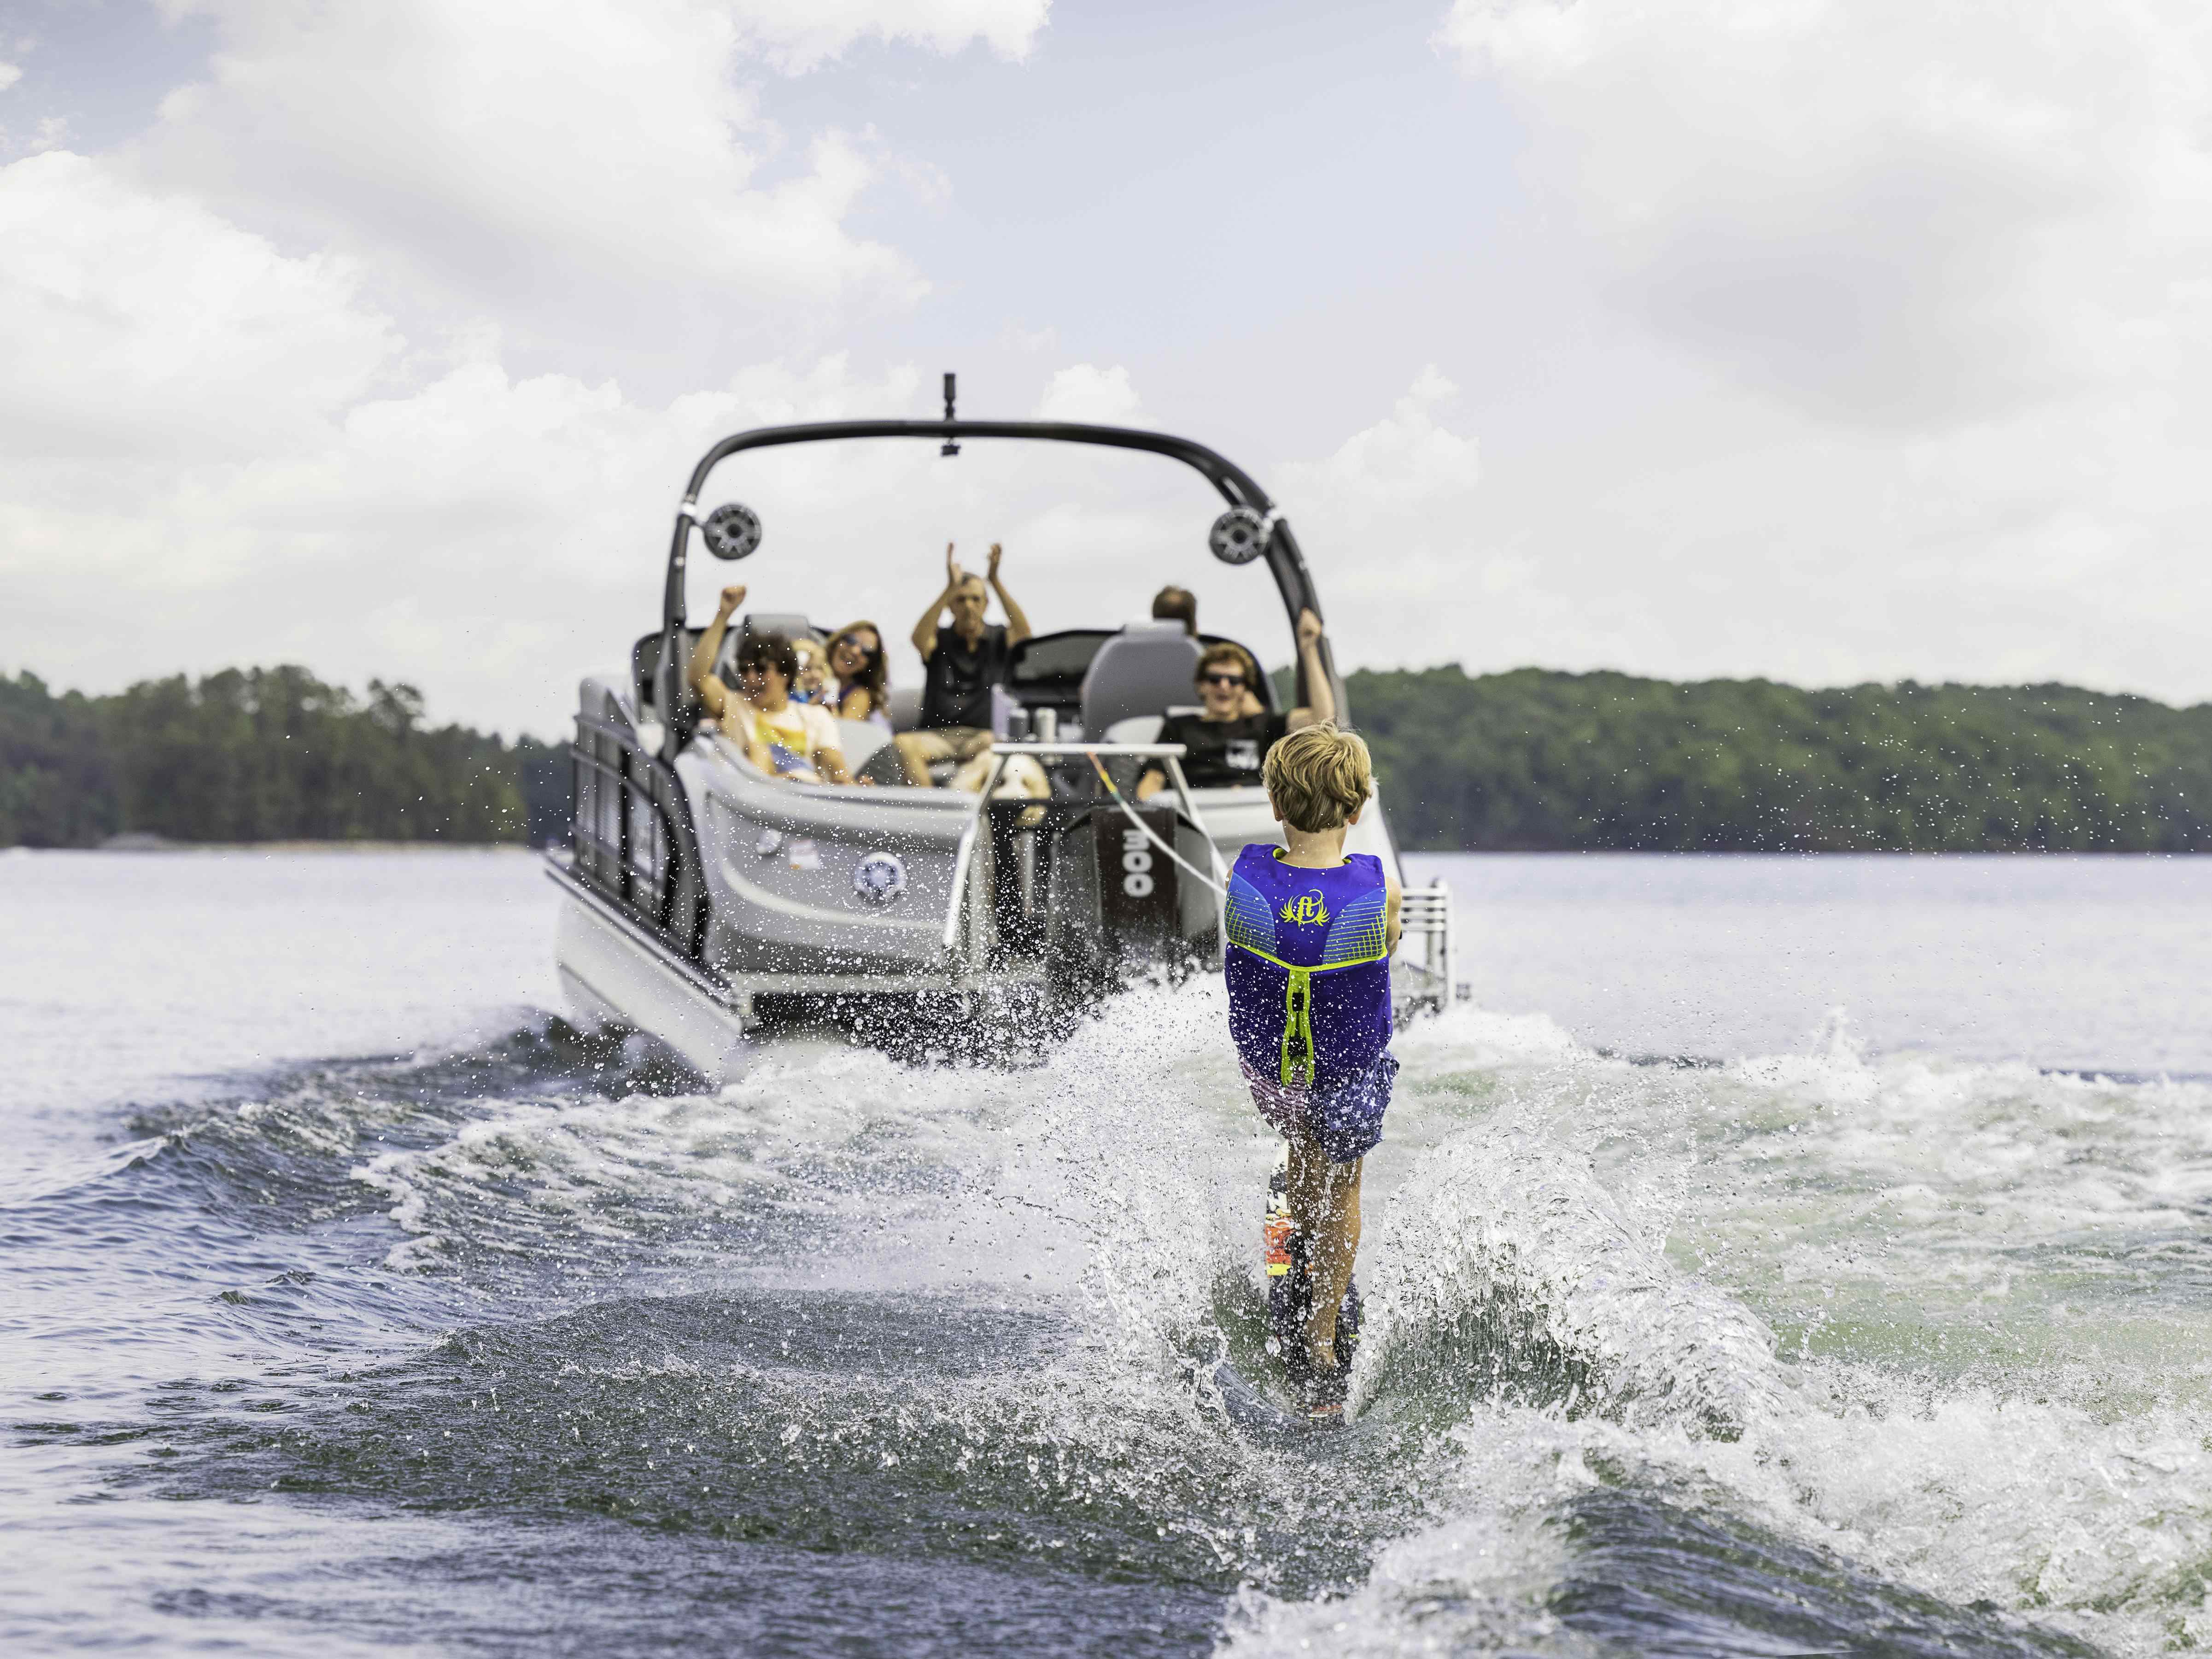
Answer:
x=1173 y=604
x=960 y=667
x=1224 y=746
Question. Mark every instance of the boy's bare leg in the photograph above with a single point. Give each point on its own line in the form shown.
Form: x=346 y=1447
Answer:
x=1325 y=1204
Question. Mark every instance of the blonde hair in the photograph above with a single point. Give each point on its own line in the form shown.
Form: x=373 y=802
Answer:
x=1318 y=776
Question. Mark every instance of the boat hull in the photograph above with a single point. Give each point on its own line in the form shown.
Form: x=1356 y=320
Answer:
x=615 y=975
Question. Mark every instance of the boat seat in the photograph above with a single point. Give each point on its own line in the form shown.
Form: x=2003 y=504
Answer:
x=1146 y=728
x=1144 y=669
x=1138 y=728
x=789 y=623
x=859 y=740
x=903 y=704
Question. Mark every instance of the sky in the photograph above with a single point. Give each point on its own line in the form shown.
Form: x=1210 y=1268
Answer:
x=1821 y=340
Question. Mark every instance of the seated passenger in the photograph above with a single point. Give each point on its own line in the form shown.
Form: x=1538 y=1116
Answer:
x=856 y=657
x=816 y=684
x=1224 y=745
x=785 y=740
x=1173 y=604
x=960 y=666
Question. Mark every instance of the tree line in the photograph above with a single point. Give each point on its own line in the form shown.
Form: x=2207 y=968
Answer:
x=263 y=754
x=1527 y=760
x=1535 y=759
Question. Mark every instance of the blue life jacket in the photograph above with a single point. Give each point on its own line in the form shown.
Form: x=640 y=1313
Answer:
x=1307 y=964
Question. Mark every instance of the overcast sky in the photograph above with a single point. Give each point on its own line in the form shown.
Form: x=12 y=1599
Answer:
x=1826 y=340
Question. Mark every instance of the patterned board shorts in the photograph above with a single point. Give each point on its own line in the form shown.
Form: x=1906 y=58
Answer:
x=1345 y=1115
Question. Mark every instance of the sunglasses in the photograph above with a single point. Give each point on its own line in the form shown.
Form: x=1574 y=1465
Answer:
x=1221 y=679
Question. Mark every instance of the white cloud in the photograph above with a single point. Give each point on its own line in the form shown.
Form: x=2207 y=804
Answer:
x=298 y=484
x=1938 y=273
x=551 y=155
x=1388 y=522
x=1402 y=465
x=1086 y=392
x=801 y=35
x=9 y=73
x=138 y=325
x=1887 y=213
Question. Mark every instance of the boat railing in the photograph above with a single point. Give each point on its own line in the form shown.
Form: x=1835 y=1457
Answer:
x=1427 y=913
x=623 y=846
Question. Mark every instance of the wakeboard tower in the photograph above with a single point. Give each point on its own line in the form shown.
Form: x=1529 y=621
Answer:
x=701 y=898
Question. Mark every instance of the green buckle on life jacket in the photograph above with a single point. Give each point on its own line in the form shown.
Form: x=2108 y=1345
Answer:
x=1298 y=1026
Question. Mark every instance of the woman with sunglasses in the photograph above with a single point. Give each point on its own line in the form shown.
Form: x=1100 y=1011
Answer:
x=856 y=660
x=1224 y=744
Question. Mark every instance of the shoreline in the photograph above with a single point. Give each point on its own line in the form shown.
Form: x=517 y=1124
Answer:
x=158 y=844
x=154 y=844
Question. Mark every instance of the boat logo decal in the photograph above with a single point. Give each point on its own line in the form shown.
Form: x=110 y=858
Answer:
x=880 y=878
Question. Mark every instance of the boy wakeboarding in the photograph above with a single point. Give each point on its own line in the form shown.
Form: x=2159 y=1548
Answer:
x=1310 y=932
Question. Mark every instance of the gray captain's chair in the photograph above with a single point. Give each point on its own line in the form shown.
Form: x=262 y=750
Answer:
x=789 y=623
x=903 y=704
x=1143 y=670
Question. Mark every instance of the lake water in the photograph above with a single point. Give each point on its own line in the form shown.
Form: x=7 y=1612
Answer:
x=351 y=1301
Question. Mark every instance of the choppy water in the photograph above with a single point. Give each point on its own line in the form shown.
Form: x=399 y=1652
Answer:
x=351 y=1301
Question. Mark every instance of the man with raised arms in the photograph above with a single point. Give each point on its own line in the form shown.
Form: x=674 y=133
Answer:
x=1225 y=742
x=960 y=665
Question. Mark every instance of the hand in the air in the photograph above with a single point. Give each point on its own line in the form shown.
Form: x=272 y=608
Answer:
x=1308 y=628
x=995 y=562
x=953 y=573
x=732 y=596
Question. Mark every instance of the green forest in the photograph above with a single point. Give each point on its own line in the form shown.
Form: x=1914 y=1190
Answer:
x=1527 y=760
x=1535 y=759
x=261 y=754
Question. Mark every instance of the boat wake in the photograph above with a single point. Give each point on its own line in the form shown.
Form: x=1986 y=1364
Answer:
x=1800 y=1353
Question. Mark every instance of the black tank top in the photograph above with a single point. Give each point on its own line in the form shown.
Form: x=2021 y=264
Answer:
x=956 y=682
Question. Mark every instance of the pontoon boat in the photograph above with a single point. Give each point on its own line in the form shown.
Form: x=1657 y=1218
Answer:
x=703 y=897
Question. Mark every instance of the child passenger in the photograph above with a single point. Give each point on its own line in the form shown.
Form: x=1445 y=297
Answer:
x=1310 y=932
x=816 y=684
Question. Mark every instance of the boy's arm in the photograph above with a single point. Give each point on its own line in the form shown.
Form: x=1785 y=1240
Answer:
x=704 y=681
x=1391 y=929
